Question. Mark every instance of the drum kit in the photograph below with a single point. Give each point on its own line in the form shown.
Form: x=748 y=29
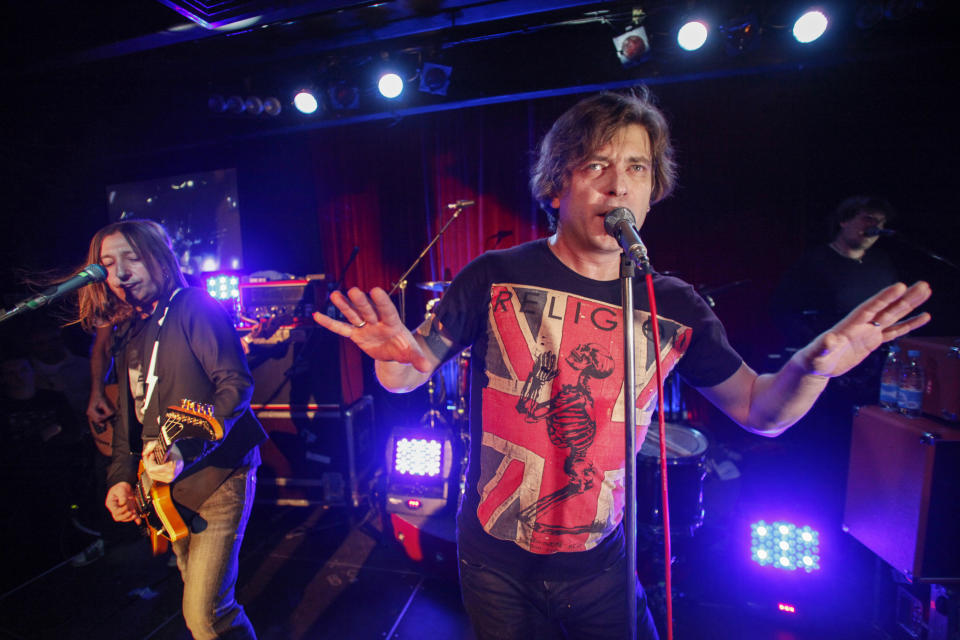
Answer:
x=448 y=390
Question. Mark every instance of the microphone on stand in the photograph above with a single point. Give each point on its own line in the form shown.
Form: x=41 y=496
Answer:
x=460 y=204
x=621 y=224
x=877 y=231
x=90 y=274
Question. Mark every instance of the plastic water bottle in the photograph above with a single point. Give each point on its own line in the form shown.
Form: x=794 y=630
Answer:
x=910 y=392
x=890 y=379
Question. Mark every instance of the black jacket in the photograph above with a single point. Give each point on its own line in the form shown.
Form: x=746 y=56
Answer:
x=199 y=358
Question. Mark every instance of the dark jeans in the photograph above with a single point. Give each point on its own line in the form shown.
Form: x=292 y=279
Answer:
x=208 y=561
x=504 y=607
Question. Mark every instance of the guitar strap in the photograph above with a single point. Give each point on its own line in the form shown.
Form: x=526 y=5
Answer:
x=151 y=378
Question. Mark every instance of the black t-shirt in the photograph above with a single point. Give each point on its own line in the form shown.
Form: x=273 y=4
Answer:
x=823 y=287
x=544 y=492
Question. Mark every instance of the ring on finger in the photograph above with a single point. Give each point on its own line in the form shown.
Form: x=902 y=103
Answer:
x=875 y=323
x=362 y=324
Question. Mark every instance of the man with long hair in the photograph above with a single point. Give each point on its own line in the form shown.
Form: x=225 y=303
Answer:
x=539 y=530
x=173 y=342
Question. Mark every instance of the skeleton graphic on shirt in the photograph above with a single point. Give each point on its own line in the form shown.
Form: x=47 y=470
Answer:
x=571 y=424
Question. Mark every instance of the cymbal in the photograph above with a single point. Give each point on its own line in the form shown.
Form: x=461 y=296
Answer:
x=440 y=285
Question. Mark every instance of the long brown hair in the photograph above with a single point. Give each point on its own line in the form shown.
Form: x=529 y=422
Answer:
x=98 y=305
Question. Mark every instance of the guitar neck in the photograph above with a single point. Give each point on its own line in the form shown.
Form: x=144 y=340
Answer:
x=190 y=420
x=163 y=444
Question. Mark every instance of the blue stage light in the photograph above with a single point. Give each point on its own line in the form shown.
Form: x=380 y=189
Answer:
x=305 y=102
x=692 y=35
x=419 y=461
x=784 y=545
x=418 y=456
x=223 y=287
x=810 y=26
x=390 y=85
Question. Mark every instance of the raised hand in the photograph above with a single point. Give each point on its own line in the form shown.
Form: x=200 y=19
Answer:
x=374 y=325
x=877 y=320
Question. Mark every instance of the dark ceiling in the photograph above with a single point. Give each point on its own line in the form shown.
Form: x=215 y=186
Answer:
x=116 y=60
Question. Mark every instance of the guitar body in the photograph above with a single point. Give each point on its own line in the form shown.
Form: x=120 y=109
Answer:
x=154 y=500
x=158 y=510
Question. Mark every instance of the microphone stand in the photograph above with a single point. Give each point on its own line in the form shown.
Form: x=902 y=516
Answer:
x=627 y=271
x=925 y=251
x=401 y=284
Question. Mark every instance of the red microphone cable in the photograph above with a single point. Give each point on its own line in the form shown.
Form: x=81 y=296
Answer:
x=663 y=455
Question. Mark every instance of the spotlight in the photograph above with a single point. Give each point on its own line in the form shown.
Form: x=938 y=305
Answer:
x=419 y=462
x=253 y=106
x=305 y=102
x=435 y=78
x=692 y=35
x=235 y=105
x=809 y=27
x=632 y=45
x=390 y=85
x=343 y=95
x=223 y=286
x=784 y=545
x=272 y=106
x=742 y=34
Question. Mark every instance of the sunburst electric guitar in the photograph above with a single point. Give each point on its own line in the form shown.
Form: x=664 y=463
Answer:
x=154 y=501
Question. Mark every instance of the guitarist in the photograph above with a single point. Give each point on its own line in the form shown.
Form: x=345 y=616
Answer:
x=172 y=342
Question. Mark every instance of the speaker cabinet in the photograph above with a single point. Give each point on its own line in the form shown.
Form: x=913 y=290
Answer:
x=325 y=455
x=902 y=493
x=310 y=367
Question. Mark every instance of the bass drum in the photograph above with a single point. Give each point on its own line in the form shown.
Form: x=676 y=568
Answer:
x=686 y=470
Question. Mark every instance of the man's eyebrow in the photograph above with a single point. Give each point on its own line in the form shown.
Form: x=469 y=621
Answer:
x=631 y=159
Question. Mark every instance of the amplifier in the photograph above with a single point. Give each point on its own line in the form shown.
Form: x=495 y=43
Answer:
x=327 y=455
x=940 y=359
x=902 y=493
x=283 y=299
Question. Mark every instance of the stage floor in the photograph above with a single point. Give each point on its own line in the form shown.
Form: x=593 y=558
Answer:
x=329 y=572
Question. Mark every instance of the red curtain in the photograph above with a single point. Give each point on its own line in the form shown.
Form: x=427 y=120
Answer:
x=385 y=187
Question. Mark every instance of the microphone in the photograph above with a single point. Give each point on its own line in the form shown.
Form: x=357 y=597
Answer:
x=460 y=204
x=877 y=231
x=90 y=274
x=620 y=223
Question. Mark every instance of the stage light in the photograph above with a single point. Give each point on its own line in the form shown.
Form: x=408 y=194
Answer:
x=272 y=106
x=810 y=26
x=692 y=35
x=343 y=95
x=253 y=106
x=435 y=78
x=418 y=456
x=632 y=46
x=305 y=102
x=390 y=85
x=223 y=286
x=742 y=34
x=235 y=105
x=419 y=462
x=784 y=545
